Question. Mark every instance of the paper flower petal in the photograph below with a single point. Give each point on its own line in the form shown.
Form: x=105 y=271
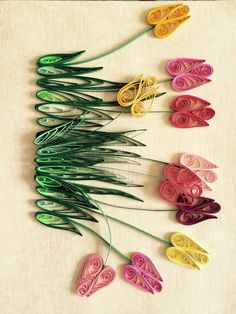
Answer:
x=158 y=14
x=103 y=279
x=188 y=81
x=204 y=70
x=181 y=65
x=145 y=265
x=188 y=103
x=186 y=120
x=135 y=278
x=189 y=217
x=179 y=257
x=181 y=241
x=167 y=27
x=203 y=204
x=179 y=11
x=204 y=113
x=91 y=268
x=196 y=162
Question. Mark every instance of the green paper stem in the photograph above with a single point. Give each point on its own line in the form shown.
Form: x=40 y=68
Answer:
x=139 y=229
x=137 y=208
x=116 y=48
x=126 y=258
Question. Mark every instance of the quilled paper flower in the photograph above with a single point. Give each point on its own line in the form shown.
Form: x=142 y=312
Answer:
x=167 y=18
x=190 y=112
x=142 y=273
x=186 y=180
x=186 y=252
x=188 y=73
x=94 y=276
x=138 y=90
x=201 y=209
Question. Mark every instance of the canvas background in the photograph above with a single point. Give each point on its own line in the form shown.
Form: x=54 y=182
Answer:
x=38 y=265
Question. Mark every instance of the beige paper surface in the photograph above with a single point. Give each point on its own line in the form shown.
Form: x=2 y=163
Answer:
x=39 y=265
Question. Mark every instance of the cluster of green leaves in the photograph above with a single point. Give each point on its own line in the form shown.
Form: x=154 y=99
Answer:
x=72 y=145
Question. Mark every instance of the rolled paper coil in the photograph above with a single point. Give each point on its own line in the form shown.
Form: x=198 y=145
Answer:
x=187 y=81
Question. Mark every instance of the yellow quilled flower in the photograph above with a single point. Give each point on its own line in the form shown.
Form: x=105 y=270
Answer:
x=168 y=18
x=186 y=252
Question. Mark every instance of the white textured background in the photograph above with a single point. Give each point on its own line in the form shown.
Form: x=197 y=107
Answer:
x=39 y=265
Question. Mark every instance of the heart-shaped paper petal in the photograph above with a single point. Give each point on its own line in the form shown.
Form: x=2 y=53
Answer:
x=135 y=278
x=180 y=257
x=189 y=217
x=188 y=103
x=167 y=27
x=181 y=241
x=203 y=70
x=181 y=65
x=196 y=162
x=187 y=81
x=103 y=279
x=145 y=265
x=186 y=120
x=91 y=268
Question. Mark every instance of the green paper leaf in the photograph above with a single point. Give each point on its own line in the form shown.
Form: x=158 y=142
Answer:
x=58 y=58
x=56 y=221
x=68 y=209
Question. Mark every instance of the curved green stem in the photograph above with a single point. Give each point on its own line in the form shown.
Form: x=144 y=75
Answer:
x=138 y=229
x=116 y=48
x=104 y=240
x=136 y=208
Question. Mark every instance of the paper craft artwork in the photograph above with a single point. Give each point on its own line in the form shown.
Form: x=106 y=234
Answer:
x=74 y=155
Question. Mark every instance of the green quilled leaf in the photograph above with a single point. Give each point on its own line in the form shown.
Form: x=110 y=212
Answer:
x=56 y=221
x=71 y=111
x=68 y=209
x=78 y=190
x=58 y=58
x=86 y=84
x=74 y=172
